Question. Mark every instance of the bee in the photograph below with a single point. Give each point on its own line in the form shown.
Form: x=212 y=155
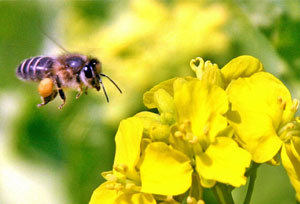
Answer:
x=68 y=70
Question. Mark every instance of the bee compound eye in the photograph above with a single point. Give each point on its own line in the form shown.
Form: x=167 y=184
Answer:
x=88 y=72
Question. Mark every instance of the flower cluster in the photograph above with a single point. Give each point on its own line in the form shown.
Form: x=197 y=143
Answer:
x=207 y=131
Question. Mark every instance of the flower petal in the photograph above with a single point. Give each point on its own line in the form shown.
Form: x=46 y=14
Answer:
x=111 y=196
x=167 y=85
x=258 y=106
x=153 y=126
x=242 y=66
x=291 y=162
x=149 y=95
x=165 y=171
x=128 y=139
x=224 y=161
x=203 y=104
x=148 y=119
x=104 y=195
x=135 y=198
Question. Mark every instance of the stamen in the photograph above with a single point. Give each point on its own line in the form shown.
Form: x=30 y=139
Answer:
x=200 y=202
x=122 y=168
x=129 y=186
x=110 y=186
x=194 y=140
x=118 y=186
x=283 y=105
x=169 y=199
x=191 y=200
x=182 y=127
x=206 y=129
x=281 y=102
x=295 y=105
x=289 y=130
x=178 y=133
x=111 y=177
x=188 y=136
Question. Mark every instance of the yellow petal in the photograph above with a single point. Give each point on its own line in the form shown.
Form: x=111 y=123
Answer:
x=203 y=104
x=128 y=139
x=165 y=105
x=224 y=161
x=148 y=97
x=167 y=85
x=258 y=105
x=148 y=119
x=165 y=171
x=104 y=195
x=243 y=66
x=291 y=162
x=135 y=198
x=154 y=127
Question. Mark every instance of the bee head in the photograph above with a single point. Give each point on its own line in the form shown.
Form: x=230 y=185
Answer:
x=89 y=74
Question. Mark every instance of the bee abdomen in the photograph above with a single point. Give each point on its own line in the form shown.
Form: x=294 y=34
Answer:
x=35 y=68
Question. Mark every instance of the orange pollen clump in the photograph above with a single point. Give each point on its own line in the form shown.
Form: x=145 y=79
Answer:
x=45 y=87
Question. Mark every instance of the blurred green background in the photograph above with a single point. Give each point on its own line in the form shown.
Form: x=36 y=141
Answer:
x=53 y=156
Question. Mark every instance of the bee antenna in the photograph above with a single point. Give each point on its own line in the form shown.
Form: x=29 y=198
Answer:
x=54 y=41
x=112 y=82
x=107 y=99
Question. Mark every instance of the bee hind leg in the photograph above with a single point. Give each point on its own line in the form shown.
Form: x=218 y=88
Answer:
x=47 y=99
x=60 y=92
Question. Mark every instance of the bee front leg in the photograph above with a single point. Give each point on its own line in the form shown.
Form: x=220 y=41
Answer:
x=60 y=92
x=79 y=92
x=79 y=88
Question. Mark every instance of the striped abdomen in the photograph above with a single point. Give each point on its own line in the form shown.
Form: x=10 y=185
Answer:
x=35 y=68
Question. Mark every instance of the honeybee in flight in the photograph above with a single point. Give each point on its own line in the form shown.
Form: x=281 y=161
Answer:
x=69 y=70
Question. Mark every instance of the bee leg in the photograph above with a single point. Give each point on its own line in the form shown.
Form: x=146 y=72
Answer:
x=79 y=88
x=60 y=92
x=47 y=99
x=79 y=92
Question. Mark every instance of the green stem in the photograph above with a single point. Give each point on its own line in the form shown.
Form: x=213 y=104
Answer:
x=223 y=194
x=252 y=169
x=252 y=172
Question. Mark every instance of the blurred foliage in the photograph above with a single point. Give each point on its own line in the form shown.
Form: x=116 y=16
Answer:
x=146 y=42
x=140 y=43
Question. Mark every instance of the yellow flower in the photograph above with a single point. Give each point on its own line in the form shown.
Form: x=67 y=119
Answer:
x=198 y=107
x=206 y=132
x=262 y=115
